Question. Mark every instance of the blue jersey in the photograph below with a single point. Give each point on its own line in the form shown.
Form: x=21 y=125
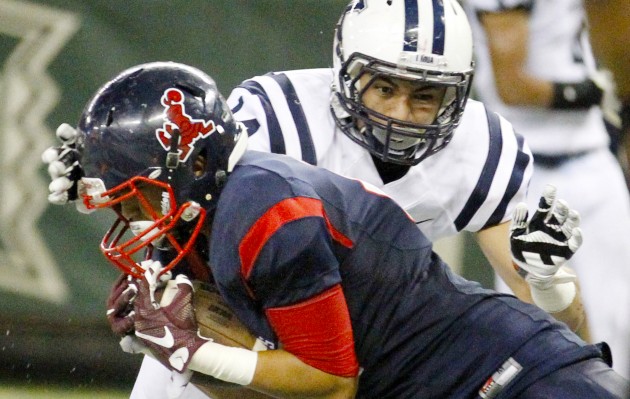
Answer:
x=285 y=231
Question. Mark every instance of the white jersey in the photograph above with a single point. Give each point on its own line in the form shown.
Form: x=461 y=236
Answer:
x=558 y=52
x=473 y=183
x=593 y=182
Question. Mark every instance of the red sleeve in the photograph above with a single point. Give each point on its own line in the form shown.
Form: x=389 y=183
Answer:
x=318 y=332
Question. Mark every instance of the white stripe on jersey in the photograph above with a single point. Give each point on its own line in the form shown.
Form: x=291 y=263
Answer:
x=477 y=179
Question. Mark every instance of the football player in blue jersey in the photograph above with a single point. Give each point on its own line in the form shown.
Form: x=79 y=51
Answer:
x=396 y=63
x=329 y=272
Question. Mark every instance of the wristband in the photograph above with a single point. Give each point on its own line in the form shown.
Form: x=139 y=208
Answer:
x=554 y=299
x=576 y=95
x=236 y=365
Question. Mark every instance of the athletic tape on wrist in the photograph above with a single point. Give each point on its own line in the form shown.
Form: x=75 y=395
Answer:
x=555 y=298
x=580 y=95
x=235 y=365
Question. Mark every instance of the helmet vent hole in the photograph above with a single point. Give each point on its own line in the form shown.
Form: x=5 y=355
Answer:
x=110 y=116
x=136 y=73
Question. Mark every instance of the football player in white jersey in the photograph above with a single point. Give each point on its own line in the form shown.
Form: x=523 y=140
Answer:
x=394 y=112
x=463 y=168
x=609 y=30
x=535 y=67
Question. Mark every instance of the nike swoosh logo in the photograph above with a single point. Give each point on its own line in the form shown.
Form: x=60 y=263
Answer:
x=167 y=341
x=424 y=221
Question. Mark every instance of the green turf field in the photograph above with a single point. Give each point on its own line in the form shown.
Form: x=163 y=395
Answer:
x=34 y=392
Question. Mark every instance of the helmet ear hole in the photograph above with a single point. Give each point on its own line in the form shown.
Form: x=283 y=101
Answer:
x=194 y=90
x=199 y=166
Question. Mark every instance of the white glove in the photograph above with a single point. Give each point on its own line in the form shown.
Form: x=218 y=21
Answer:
x=542 y=246
x=64 y=167
x=610 y=103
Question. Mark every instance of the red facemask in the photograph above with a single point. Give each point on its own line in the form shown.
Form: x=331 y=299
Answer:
x=126 y=247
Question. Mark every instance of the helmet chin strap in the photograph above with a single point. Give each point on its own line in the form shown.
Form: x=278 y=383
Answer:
x=139 y=227
x=172 y=157
x=198 y=266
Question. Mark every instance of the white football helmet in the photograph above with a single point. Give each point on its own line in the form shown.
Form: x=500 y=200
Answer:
x=419 y=40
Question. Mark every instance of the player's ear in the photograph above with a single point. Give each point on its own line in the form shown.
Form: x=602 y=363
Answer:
x=199 y=166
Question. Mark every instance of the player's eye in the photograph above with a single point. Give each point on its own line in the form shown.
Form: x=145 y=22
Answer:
x=427 y=95
x=424 y=96
x=384 y=89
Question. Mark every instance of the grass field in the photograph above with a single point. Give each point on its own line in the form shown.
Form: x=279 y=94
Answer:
x=35 y=392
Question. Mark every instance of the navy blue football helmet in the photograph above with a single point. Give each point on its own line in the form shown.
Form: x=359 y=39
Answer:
x=157 y=126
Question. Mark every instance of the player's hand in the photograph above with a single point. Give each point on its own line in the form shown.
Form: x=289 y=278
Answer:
x=542 y=246
x=64 y=166
x=610 y=103
x=120 y=313
x=170 y=331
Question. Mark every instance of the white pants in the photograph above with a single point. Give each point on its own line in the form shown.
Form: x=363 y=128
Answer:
x=152 y=381
x=594 y=186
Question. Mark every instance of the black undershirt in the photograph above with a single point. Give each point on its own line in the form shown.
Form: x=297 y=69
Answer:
x=388 y=171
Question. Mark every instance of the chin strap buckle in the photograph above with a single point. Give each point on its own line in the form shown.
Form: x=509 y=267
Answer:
x=172 y=158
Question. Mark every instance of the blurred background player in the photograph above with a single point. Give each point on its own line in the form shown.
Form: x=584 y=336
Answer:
x=535 y=67
x=609 y=29
x=329 y=272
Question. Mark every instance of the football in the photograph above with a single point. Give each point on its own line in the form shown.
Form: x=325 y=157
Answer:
x=216 y=320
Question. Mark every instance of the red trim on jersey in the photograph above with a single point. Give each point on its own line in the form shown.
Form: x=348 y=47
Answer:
x=277 y=216
x=318 y=332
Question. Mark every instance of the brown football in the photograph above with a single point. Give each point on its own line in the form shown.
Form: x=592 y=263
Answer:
x=216 y=320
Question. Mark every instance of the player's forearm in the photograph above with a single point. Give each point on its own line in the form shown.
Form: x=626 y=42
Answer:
x=230 y=392
x=282 y=375
x=563 y=300
x=507 y=34
x=574 y=316
x=495 y=245
x=277 y=373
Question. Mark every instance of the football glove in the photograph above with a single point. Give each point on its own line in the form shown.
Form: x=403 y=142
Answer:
x=120 y=313
x=170 y=331
x=64 y=166
x=541 y=247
